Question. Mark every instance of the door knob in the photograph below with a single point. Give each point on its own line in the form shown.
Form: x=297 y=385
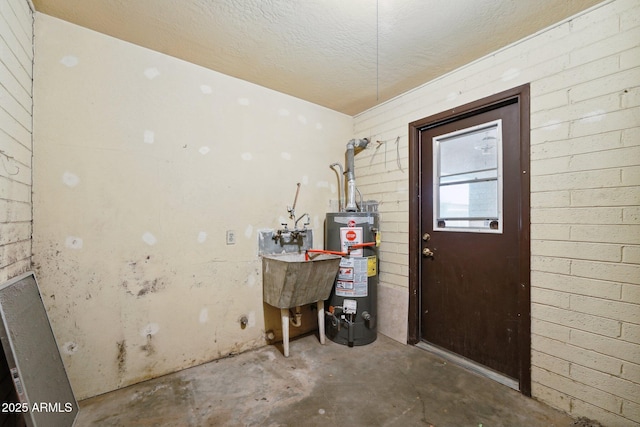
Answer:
x=427 y=252
x=426 y=237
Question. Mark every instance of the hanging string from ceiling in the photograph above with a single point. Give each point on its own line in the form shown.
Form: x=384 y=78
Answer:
x=4 y=159
x=377 y=50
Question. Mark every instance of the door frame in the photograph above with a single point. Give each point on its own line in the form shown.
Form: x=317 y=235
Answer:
x=521 y=95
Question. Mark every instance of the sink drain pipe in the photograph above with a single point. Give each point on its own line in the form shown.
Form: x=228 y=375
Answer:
x=296 y=318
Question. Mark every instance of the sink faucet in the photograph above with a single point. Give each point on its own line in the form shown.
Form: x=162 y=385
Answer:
x=295 y=235
x=304 y=224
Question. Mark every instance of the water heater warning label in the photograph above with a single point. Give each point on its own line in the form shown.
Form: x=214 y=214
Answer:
x=350 y=236
x=352 y=277
x=372 y=266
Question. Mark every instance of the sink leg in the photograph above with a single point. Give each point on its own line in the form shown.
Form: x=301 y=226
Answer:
x=284 y=313
x=321 y=321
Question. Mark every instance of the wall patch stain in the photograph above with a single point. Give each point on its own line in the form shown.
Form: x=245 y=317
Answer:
x=73 y=242
x=510 y=74
x=285 y=155
x=204 y=150
x=593 y=116
x=452 y=96
x=69 y=61
x=319 y=126
x=202 y=236
x=244 y=101
x=70 y=180
x=283 y=112
x=204 y=315
x=149 y=136
x=322 y=184
x=137 y=282
x=69 y=347
x=251 y=280
x=149 y=239
x=246 y=156
x=206 y=89
x=150 y=329
x=248 y=231
x=302 y=119
x=150 y=286
x=122 y=356
x=149 y=347
x=551 y=125
x=151 y=73
x=252 y=319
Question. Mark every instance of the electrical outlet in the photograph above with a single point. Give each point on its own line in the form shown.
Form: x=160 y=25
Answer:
x=231 y=237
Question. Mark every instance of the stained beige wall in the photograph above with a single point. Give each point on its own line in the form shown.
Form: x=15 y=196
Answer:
x=585 y=193
x=141 y=164
x=16 y=70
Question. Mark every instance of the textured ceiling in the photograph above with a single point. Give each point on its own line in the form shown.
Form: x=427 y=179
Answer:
x=347 y=55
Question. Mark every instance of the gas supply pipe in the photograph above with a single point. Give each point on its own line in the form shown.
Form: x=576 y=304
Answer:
x=352 y=247
x=322 y=251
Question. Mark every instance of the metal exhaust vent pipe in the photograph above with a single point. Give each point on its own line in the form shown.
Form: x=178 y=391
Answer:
x=353 y=146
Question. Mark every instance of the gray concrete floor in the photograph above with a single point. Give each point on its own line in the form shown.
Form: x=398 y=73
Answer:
x=381 y=384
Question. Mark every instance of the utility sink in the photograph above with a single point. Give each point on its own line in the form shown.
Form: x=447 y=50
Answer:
x=290 y=281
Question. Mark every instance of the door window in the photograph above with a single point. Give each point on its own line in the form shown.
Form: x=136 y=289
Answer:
x=468 y=179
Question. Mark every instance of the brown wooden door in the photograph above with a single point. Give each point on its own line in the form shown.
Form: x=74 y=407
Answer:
x=473 y=300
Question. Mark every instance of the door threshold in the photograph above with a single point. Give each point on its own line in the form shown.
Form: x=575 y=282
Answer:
x=470 y=365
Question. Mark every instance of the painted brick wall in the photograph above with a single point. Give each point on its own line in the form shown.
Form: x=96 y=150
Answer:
x=585 y=196
x=16 y=59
